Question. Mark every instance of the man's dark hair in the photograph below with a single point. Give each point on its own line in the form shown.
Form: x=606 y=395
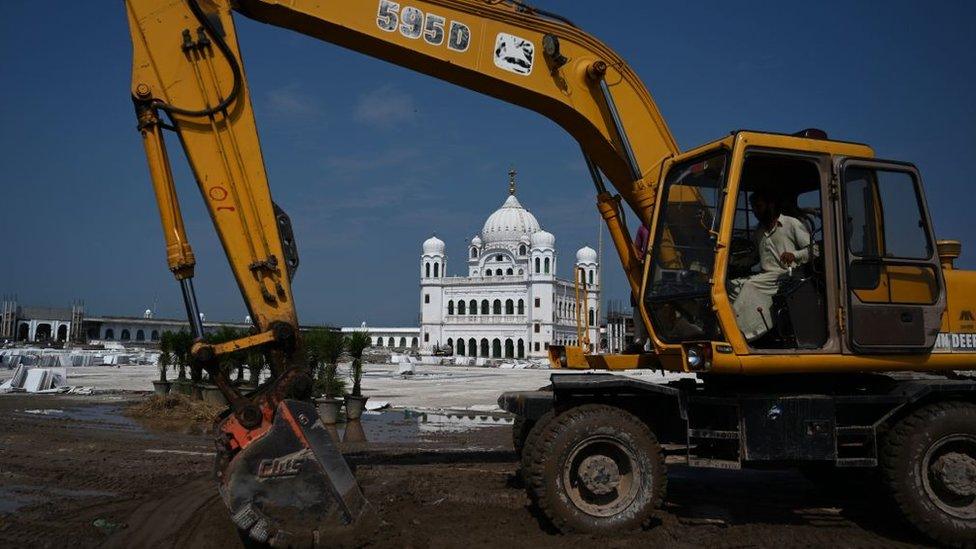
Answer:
x=765 y=195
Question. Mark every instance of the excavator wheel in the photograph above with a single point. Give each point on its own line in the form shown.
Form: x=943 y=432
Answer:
x=929 y=463
x=595 y=469
x=291 y=487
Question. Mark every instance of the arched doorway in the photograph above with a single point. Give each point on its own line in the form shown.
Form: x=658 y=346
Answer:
x=23 y=332
x=140 y=335
x=125 y=336
x=379 y=342
x=509 y=348
x=472 y=347
x=460 y=345
x=42 y=332
x=509 y=307
x=484 y=347
x=154 y=336
x=413 y=342
x=390 y=342
x=496 y=348
x=63 y=332
x=403 y=342
x=109 y=334
x=521 y=349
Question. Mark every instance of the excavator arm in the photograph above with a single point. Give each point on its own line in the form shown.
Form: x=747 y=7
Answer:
x=188 y=77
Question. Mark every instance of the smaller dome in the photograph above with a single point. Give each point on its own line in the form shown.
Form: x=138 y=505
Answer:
x=434 y=246
x=476 y=241
x=586 y=254
x=525 y=239
x=543 y=239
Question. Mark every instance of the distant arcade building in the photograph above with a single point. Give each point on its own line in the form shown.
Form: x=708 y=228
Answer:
x=511 y=304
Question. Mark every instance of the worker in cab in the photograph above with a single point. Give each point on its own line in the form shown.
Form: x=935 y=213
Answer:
x=782 y=243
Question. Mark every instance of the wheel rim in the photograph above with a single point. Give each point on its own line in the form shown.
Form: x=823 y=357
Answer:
x=949 y=475
x=602 y=476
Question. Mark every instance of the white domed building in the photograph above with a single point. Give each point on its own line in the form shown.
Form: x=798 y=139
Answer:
x=511 y=303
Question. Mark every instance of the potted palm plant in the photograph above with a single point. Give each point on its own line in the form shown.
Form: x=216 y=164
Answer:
x=355 y=401
x=162 y=386
x=180 y=343
x=324 y=349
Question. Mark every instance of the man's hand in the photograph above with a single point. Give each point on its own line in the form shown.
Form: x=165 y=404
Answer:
x=787 y=258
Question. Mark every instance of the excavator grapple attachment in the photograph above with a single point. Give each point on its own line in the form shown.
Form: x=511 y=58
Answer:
x=290 y=486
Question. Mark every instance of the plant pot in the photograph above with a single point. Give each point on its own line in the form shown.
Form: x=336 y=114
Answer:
x=355 y=406
x=328 y=410
x=212 y=395
x=161 y=388
x=182 y=387
x=196 y=391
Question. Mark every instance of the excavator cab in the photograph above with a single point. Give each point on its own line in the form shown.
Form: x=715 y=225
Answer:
x=847 y=268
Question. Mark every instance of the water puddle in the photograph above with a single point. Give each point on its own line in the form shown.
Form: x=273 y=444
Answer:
x=405 y=426
x=96 y=416
x=17 y=496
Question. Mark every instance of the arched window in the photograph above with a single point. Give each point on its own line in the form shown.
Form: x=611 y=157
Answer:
x=460 y=347
x=522 y=249
x=484 y=307
x=521 y=272
x=509 y=307
x=154 y=335
x=509 y=271
x=547 y=265
x=484 y=347
x=496 y=348
x=489 y=272
x=591 y=317
x=521 y=349
x=413 y=342
x=140 y=335
x=450 y=307
x=460 y=306
x=521 y=307
x=450 y=342
x=537 y=265
x=63 y=332
x=426 y=270
x=390 y=342
x=125 y=335
x=591 y=276
x=472 y=347
x=403 y=342
x=474 y=253
x=473 y=307
x=509 y=349
x=436 y=265
x=379 y=342
x=496 y=307
x=109 y=334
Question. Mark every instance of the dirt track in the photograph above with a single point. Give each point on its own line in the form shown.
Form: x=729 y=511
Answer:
x=87 y=476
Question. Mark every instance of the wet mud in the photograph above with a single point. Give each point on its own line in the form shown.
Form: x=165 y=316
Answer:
x=90 y=476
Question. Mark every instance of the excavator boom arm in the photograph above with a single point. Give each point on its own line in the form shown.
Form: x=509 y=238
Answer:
x=188 y=77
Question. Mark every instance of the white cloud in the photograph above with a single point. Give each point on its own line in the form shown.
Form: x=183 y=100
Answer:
x=385 y=107
x=290 y=101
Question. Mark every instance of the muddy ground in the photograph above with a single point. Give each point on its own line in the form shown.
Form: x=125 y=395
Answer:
x=74 y=471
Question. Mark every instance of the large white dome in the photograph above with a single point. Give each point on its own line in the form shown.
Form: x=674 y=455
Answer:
x=508 y=224
x=434 y=246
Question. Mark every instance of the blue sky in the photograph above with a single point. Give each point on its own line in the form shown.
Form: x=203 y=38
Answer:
x=79 y=221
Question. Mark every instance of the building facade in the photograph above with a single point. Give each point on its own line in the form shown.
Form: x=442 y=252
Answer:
x=511 y=303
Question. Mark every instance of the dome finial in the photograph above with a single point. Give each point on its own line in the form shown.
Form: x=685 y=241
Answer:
x=511 y=180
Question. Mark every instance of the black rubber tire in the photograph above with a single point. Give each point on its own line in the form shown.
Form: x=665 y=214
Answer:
x=902 y=455
x=530 y=445
x=550 y=446
x=520 y=430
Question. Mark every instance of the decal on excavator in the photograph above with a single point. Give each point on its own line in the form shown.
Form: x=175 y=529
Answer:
x=955 y=343
x=514 y=54
x=284 y=466
x=413 y=23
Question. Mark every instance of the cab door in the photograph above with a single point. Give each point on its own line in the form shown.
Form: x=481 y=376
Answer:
x=890 y=269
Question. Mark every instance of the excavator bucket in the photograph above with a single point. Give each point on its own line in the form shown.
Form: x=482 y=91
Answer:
x=291 y=487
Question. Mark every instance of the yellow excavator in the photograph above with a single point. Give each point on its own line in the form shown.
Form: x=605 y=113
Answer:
x=847 y=360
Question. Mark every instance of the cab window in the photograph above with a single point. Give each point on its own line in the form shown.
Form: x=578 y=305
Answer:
x=678 y=290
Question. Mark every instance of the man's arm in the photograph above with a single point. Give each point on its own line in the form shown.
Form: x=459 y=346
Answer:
x=801 y=241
